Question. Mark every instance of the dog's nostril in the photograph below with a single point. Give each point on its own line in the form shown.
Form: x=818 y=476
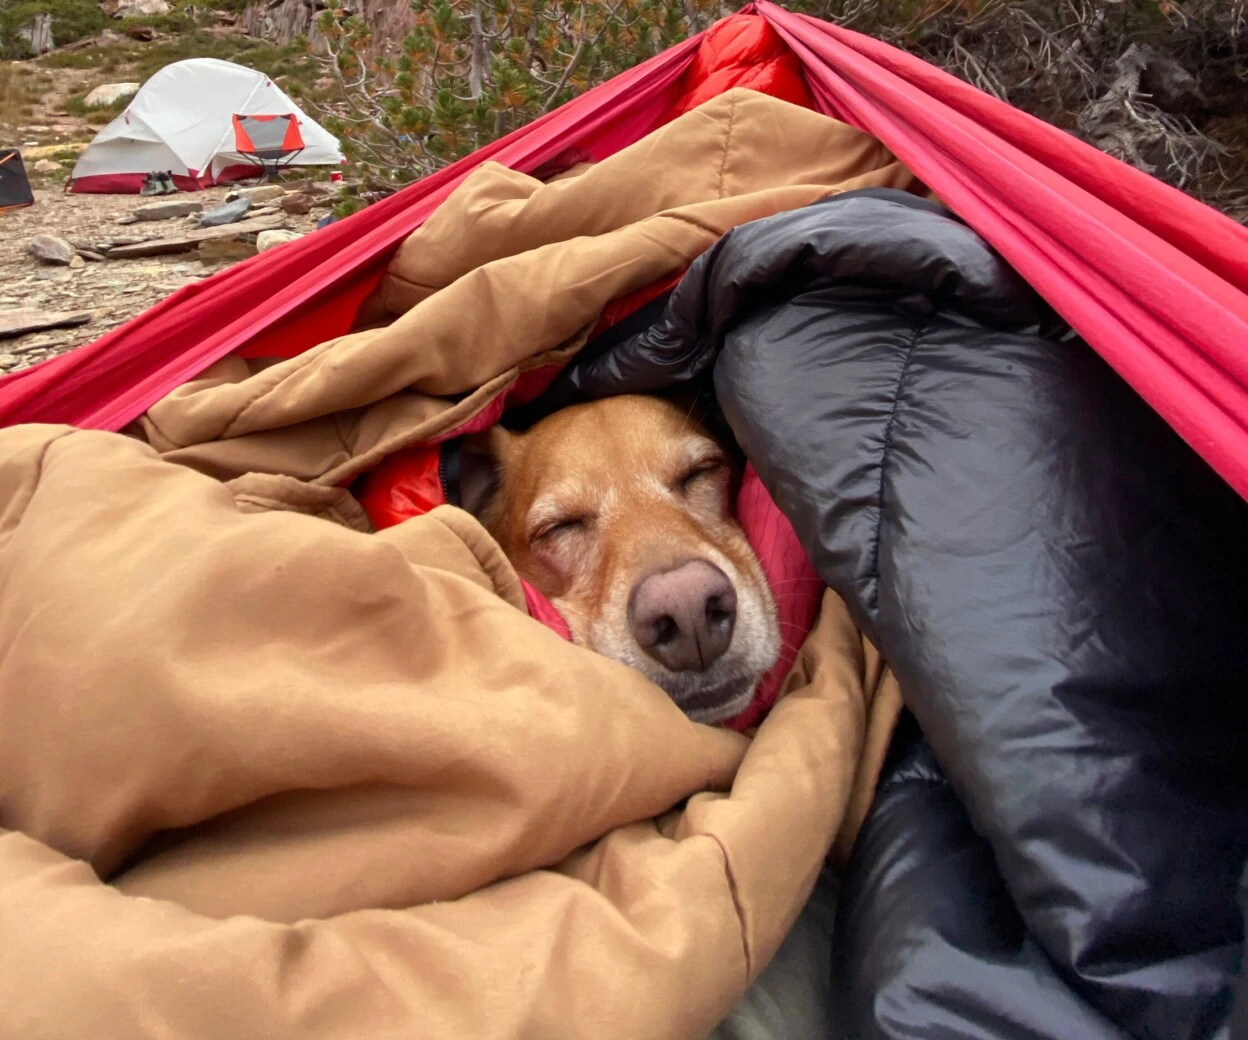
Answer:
x=665 y=630
x=718 y=611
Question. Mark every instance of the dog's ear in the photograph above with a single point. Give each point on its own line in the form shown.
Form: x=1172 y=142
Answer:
x=482 y=469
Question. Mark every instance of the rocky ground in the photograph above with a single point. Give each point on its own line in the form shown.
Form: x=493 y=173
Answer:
x=46 y=111
x=113 y=289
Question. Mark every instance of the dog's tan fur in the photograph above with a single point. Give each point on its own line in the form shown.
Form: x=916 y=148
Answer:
x=595 y=497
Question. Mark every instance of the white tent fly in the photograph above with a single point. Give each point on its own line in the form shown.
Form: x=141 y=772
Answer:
x=181 y=120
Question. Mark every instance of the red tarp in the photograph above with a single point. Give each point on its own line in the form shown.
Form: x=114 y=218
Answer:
x=1153 y=280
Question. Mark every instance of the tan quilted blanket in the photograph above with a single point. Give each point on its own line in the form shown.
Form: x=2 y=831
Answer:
x=265 y=773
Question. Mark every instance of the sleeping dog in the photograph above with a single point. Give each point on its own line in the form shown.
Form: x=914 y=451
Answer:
x=620 y=512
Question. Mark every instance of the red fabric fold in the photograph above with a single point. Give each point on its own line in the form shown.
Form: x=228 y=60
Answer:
x=1152 y=279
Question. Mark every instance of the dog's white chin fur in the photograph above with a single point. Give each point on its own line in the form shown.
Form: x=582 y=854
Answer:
x=755 y=648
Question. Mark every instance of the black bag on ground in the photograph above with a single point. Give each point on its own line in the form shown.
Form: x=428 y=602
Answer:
x=15 y=189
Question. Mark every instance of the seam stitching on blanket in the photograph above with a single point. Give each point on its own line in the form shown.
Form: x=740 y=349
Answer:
x=298 y=364
x=740 y=910
x=692 y=221
x=884 y=450
x=723 y=158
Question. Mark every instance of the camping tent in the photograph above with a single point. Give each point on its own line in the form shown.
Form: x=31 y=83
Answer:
x=182 y=120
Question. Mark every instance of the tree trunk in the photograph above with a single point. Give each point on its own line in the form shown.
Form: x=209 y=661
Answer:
x=476 y=68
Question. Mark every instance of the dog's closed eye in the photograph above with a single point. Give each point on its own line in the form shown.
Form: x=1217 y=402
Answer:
x=699 y=472
x=553 y=529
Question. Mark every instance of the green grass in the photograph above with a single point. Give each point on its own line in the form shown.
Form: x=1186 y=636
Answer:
x=136 y=61
x=84 y=59
x=273 y=61
x=96 y=115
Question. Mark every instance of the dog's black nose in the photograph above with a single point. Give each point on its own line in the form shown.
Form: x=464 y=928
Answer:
x=684 y=617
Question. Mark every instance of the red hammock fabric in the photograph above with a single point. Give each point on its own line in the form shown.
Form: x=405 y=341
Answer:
x=1154 y=281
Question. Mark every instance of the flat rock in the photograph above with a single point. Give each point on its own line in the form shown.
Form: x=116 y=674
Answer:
x=51 y=249
x=109 y=94
x=269 y=239
x=185 y=243
x=156 y=247
x=77 y=262
x=168 y=209
x=46 y=166
x=27 y=319
x=7 y=361
x=298 y=203
x=262 y=193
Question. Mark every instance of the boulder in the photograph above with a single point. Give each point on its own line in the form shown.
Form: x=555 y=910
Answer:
x=269 y=239
x=46 y=166
x=51 y=249
x=38 y=35
x=225 y=250
x=109 y=94
x=135 y=8
x=298 y=203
